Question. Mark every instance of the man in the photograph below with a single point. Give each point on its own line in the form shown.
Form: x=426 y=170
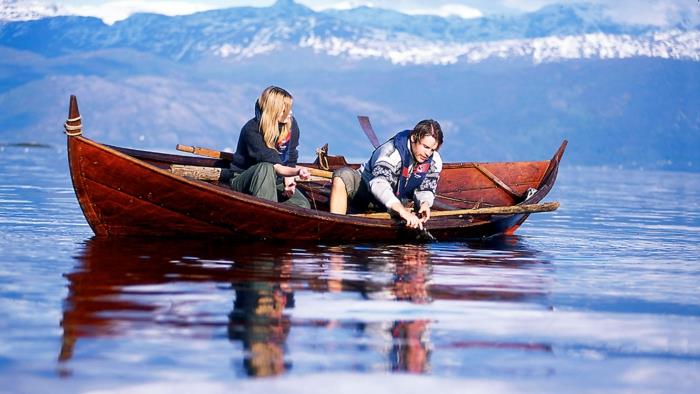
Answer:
x=405 y=167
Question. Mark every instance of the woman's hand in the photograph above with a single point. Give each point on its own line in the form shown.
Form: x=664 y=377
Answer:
x=304 y=173
x=285 y=171
x=290 y=186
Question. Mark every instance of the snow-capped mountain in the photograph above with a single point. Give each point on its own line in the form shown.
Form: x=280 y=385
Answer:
x=552 y=34
x=622 y=94
x=409 y=50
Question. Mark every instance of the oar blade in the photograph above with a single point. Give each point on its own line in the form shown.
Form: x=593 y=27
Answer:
x=369 y=131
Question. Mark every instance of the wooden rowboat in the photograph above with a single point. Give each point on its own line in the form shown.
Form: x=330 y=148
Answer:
x=126 y=192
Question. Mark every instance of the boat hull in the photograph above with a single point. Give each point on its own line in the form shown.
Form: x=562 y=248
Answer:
x=125 y=192
x=122 y=195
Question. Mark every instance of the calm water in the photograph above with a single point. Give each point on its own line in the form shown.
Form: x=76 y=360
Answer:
x=602 y=295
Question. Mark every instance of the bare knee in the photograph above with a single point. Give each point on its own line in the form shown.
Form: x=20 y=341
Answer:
x=339 y=186
x=339 y=197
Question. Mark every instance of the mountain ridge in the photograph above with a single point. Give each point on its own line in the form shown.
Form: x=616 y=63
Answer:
x=151 y=81
x=361 y=33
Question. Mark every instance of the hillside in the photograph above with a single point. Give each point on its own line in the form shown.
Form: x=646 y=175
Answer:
x=504 y=88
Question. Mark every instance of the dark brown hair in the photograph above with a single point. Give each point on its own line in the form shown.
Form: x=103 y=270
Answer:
x=427 y=127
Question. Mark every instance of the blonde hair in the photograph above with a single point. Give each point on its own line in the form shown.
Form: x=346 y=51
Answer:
x=274 y=102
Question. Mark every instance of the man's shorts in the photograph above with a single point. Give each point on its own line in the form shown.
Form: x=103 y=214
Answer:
x=359 y=196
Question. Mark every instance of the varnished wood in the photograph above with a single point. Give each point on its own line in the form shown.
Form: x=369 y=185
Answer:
x=320 y=173
x=465 y=182
x=214 y=173
x=209 y=174
x=126 y=192
x=369 y=130
x=82 y=190
x=497 y=181
x=509 y=210
x=197 y=172
x=73 y=113
x=205 y=152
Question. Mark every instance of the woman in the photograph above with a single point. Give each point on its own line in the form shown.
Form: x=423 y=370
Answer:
x=407 y=166
x=267 y=151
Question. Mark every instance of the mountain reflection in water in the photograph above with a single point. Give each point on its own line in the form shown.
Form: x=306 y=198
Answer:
x=124 y=289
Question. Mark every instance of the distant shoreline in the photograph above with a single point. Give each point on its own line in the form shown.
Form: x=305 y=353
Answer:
x=25 y=145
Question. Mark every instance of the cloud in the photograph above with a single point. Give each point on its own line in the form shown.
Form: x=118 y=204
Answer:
x=341 y=5
x=662 y=13
x=406 y=7
x=527 y=5
x=413 y=7
x=656 y=12
x=112 y=11
x=446 y=10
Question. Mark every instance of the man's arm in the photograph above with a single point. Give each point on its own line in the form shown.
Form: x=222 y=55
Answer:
x=386 y=167
x=385 y=176
x=424 y=196
x=426 y=191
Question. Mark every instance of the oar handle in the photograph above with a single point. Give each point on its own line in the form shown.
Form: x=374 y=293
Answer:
x=215 y=154
x=229 y=156
x=320 y=173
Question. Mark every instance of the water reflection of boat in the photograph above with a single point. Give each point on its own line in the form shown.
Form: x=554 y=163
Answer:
x=122 y=288
x=404 y=272
x=409 y=270
x=103 y=301
x=258 y=319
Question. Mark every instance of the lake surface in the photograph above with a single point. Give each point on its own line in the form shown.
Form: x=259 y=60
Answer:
x=602 y=295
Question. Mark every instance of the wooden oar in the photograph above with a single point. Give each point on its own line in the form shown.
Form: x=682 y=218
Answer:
x=214 y=173
x=205 y=152
x=369 y=130
x=209 y=172
x=508 y=210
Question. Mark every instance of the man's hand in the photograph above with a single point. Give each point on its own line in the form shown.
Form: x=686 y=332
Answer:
x=289 y=186
x=411 y=219
x=424 y=212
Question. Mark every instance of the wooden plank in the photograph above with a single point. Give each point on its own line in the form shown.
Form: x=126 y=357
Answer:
x=197 y=172
x=498 y=181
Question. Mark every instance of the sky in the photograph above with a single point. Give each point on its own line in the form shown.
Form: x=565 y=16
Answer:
x=654 y=12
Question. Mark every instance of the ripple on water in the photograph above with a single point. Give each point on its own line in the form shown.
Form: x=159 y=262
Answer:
x=606 y=286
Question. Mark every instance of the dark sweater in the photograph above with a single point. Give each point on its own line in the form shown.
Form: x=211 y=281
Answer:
x=252 y=150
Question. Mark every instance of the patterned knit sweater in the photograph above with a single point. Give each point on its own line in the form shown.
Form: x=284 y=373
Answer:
x=382 y=171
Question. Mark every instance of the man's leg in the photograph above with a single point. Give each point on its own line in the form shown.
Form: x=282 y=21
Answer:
x=339 y=196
